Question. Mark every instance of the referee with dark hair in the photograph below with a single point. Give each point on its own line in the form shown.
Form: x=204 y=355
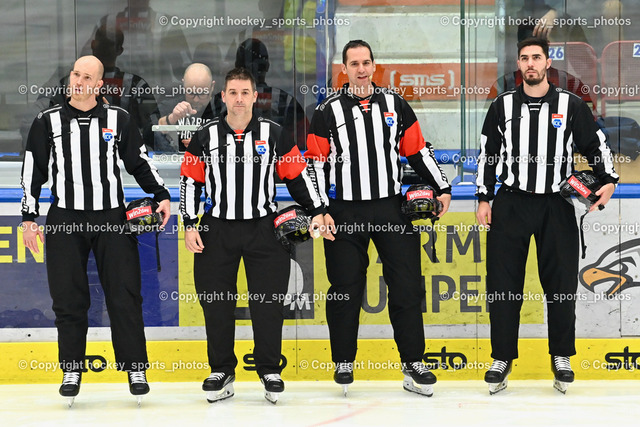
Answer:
x=77 y=145
x=234 y=157
x=355 y=142
x=527 y=140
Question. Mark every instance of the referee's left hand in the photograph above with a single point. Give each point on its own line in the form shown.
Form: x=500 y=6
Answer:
x=445 y=199
x=605 y=192
x=165 y=209
x=30 y=234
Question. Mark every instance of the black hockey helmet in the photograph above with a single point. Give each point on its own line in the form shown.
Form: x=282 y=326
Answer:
x=583 y=185
x=292 y=226
x=420 y=202
x=141 y=216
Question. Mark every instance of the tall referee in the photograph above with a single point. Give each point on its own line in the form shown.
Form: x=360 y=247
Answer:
x=235 y=157
x=77 y=145
x=527 y=141
x=355 y=142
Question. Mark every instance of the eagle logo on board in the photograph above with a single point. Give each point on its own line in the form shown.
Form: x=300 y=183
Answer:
x=616 y=270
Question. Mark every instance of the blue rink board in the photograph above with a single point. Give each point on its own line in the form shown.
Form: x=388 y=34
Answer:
x=24 y=293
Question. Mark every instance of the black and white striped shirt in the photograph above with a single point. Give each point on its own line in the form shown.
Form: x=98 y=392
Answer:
x=237 y=169
x=529 y=145
x=77 y=153
x=355 y=146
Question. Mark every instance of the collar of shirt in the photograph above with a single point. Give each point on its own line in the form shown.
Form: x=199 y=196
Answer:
x=100 y=110
x=375 y=97
x=254 y=125
x=521 y=97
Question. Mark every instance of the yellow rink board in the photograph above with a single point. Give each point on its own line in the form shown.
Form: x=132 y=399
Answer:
x=454 y=281
x=455 y=359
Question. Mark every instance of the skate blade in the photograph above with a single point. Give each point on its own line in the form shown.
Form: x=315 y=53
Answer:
x=218 y=395
x=70 y=401
x=496 y=388
x=345 y=389
x=139 y=400
x=560 y=386
x=271 y=396
x=423 y=389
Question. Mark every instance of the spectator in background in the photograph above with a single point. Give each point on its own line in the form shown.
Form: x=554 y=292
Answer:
x=120 y=88
x=273 y=103
x=192 y=106
x=152 y=46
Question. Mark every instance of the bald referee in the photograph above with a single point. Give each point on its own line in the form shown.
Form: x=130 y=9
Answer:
x=77 y=145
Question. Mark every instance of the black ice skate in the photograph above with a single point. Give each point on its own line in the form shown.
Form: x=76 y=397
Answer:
x=138 y=385
x=70 y=386
x=219 y=386
x=418 y=378
x=562 y=372
x=497 y=375
x=343 y=375
x=273 y=386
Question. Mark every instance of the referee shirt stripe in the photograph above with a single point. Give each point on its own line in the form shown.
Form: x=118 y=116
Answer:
x=215 y=157
x=94 y=164
x=543 y=159
x=363 y=154
x=342 y=149
x=561 y=163
x=230 y=186
x=112 y=156
x=60 y=188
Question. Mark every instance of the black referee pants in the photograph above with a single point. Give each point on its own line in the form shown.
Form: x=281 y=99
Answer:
x=347 y=260
x=267 y=266
x=71 y=235
x=516 y=216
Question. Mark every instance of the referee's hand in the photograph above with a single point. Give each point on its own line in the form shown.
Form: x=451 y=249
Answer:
x=445 y=199
x=605 y=192
x=327 y=228
x=483 y=215
x=192 y=240
x=30 y=234
x=165 y=209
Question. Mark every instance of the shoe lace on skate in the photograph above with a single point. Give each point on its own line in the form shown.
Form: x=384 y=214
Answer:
x=272 y=377
x=562 y=363
x=216 y=376
x=498 y=366
x=419 y=367
x=342 y=367
x=138 y=377
x=71 y=378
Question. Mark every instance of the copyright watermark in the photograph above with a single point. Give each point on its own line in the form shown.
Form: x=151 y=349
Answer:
x=249 y=21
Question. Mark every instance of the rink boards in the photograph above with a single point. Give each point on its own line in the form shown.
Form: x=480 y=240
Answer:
x=454 y=309
x=307 y=360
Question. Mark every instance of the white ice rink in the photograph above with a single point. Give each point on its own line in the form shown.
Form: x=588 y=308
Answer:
x=454 y=403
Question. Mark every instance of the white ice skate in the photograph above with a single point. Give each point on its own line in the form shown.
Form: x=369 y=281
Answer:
x=563 y=375
x=418 y=378
x=497 y=375
x=219 y=386
x=273 y=386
